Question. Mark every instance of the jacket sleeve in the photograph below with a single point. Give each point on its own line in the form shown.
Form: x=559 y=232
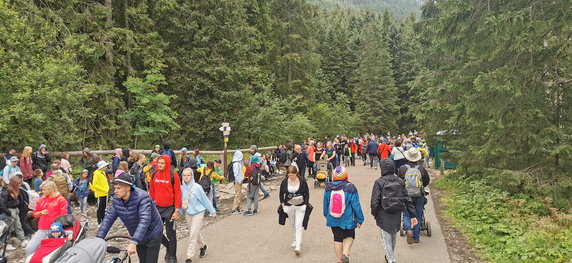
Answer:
x=145 y=212
x=98 y=183
x=107 y=222
x=425 y=177
x=152 y=188
x=306 y=191
x=177 y=191
x=358 y=213
x=326 y=205
x=3 y=201
x=375 y=198
x=205 y=200
x=282 y=194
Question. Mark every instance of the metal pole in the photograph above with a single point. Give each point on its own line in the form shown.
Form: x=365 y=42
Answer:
x=224 y=158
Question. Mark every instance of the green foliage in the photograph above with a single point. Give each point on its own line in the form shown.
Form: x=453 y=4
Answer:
x=504 y=227
x=399 y=7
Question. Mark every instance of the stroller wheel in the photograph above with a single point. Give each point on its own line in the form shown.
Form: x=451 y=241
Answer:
x=428 y=229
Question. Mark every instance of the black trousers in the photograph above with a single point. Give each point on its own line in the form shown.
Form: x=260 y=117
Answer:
x=353 y=159
x=169 y=241
x=311 y=170
x=101 y=205
x=149 y=252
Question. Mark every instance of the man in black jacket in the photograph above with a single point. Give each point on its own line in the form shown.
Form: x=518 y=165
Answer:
x=301 y=159
x=387 y=201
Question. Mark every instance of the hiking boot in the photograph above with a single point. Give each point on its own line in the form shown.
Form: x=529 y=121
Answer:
x=416 y=241
x=170 y=259
x=345 y=259
x=203 y=251
x=409 y=237
x=248 y=213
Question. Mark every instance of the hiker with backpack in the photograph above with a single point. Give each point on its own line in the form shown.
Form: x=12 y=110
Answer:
x=253 y=176
x=343 y=212
x=195 y=203
x=184 y=159
x=11 y=169
x=416 y=179
x=165 y=190
x=206 y=179
x=236 y=175
x=388 y=200
x=64 y=184
x=294 y=197
x=398 y=155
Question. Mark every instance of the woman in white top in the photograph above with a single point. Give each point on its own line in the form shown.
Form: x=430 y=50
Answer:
x=294 y=196
x=398 y=155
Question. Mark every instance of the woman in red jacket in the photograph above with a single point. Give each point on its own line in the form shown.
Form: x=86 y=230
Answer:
x=51 y=205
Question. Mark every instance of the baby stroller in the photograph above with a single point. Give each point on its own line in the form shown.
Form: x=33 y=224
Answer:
x=5 y=225
x=52 y=248
x=324 y=172
x=423 y=225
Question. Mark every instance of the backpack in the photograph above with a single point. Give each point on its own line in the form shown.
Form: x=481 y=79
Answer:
x=255 y=177
x=205 y=180
x=413 y=182
x=231 y=172
x=392 y=195
x=338 y=202
x=61 y=181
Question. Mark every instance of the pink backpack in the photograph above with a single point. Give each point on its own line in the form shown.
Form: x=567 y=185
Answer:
x=337 y=203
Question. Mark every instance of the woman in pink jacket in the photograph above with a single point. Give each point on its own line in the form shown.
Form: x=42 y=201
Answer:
x=26 y=165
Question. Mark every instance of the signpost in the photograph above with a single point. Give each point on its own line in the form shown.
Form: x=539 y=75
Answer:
x=225 y=129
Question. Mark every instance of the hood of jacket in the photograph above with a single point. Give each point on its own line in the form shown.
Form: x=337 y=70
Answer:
x=337 y=185
x=167 y=169
x=237 y=156
x=387 y=167
x=42 y=146
x=125 y=152
x=190 y=184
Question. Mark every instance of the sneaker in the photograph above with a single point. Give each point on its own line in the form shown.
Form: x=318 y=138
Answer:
x=248 y=213
x=416 y=241
x=254 y=212
x=236 y=212
x=345 y=259
x=265 y=196
x=9 y=247
x=188 y=260
x=25 y=242
x=409 y=237
x=297 y=251
x=294 y=244
x=203 y=251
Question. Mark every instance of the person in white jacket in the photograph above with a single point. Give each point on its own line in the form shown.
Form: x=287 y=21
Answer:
x=237 y=166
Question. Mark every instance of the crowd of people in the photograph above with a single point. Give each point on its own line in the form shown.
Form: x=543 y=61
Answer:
x=150 y=196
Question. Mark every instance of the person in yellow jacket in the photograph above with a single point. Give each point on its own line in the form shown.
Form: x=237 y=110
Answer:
x=100 y=187
x=424 y=155
x=209 y=170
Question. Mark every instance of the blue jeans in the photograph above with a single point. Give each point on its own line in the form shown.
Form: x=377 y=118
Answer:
x=263 y=189
x=83 y=204
x=213 y=189
x=418 y=202
x=69 y=207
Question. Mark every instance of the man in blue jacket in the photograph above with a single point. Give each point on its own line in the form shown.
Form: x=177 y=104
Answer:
x=140 y=216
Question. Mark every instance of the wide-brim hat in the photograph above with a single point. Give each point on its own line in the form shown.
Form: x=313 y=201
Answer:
x=413 y=155
x=101 y=164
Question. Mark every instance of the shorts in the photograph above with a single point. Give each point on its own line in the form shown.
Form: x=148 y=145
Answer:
x=341 y=234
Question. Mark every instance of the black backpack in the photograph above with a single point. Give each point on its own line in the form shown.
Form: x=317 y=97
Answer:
x=392 y=194
x=231 y=172
x=205 y=181
x=255 y=176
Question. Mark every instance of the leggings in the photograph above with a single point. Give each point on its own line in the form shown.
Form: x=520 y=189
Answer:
x=101 y=204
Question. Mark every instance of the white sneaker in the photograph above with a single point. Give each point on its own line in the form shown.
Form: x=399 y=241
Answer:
x=10 y=248
x=294 y=244
x=25 y=242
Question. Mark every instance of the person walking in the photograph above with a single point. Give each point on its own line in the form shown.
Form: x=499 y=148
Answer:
x=330 y=154
x=210 y=176
x=311 y=158
x=51 y=205
x=238 y=174
x=354 y=150
x=416 y=179
x=373 y=153
x=100 y=188
x=195 y=203
x=294 y=196
x=136 y=210
x=343 y=213
x=398 y=155
x=388 y=198
x=301 y=160
x=165 y=190
x=363 y=150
